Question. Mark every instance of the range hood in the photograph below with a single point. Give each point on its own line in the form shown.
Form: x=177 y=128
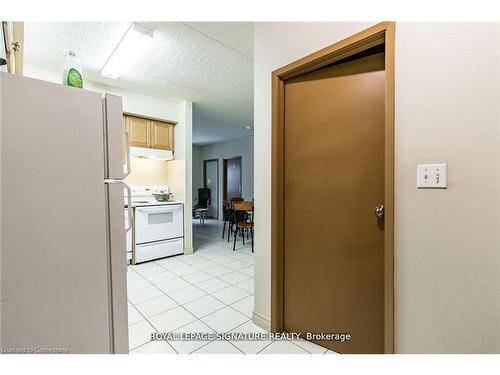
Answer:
x=151 y=153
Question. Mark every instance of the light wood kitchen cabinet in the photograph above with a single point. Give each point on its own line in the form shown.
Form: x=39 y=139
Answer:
x=162 y=135
x=139 y=130
x=148 y=133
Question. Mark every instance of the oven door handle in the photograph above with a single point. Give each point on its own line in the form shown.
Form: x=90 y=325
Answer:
x=151 y=210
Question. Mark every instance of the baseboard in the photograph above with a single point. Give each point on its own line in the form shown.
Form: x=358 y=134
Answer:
x=261 y=321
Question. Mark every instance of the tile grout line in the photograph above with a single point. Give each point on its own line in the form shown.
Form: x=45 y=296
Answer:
x=304 y=348
x=146 y=319
x=250 y=319
x=209 y=293
x=134 y=305
x=193 y=314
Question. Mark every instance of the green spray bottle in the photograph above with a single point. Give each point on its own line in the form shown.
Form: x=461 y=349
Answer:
x=72 y=74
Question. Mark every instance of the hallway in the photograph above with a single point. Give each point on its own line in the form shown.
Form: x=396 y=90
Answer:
x=209 y=291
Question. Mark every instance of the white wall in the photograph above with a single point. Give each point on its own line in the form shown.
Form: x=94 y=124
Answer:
x=447 y=248
x=177 y=173
x=182 y=168
x=197 y=170
x=225 y=150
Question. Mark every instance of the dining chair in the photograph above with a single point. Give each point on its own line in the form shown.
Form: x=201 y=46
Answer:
x=243 y=221
x=236 y=200
x=203 y=203
x=227 y=217
x=230 y=213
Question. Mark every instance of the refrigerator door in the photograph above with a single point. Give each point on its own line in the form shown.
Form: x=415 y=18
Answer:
x=117 y=252
x=116 y=139
x=54 y=268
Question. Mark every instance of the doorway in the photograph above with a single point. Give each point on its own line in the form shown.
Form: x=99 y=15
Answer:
x=332 y=214
x=232 y=178
x=211 y=181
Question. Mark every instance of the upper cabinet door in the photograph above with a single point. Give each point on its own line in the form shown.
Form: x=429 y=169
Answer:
x=139 y=131
x=162 y=135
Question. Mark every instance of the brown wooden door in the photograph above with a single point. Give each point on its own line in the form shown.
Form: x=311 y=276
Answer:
x=139 y=131
x=232 y=178
x=162 y=135
x=334 y=178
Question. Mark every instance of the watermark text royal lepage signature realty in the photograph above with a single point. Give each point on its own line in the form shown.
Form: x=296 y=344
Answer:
x=252 y=336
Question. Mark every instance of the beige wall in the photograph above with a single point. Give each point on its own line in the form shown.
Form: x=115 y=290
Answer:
x=447 y=248
x=447 y=241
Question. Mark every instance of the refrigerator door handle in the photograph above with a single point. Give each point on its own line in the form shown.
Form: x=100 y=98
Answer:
x=127 y=140
x=129 y=201
x=129 y=206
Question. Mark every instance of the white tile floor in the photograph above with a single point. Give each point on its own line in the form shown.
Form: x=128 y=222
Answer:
x=208 y=291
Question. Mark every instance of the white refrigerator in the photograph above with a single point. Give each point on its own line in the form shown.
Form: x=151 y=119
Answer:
x=62 y=234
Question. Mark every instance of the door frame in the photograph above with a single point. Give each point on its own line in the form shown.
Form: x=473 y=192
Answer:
x=205 y=181
x=13 y=43
x=381 y=33
x=224 y=175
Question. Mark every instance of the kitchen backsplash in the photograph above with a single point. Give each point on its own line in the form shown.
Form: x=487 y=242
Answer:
x=147 y=172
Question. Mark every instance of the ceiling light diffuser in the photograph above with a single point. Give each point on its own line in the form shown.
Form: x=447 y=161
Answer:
x=128 y=49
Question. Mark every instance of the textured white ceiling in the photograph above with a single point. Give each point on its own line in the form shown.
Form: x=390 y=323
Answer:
x=208 y=63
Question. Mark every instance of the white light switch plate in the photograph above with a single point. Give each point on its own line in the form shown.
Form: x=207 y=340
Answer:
x=431 y=176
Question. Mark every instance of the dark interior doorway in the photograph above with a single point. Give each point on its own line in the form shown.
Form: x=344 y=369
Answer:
x=232 y=178
x=211 y=181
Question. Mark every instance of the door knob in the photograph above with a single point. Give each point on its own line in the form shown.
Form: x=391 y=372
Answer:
x=379 y=211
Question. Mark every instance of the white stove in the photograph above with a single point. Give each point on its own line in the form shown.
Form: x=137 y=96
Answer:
x=158 y=229
x=143 y=196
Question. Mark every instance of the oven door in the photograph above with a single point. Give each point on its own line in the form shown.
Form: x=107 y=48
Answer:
x=156 y=223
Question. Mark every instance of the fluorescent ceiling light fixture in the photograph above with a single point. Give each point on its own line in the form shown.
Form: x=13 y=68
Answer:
x=126 y=52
